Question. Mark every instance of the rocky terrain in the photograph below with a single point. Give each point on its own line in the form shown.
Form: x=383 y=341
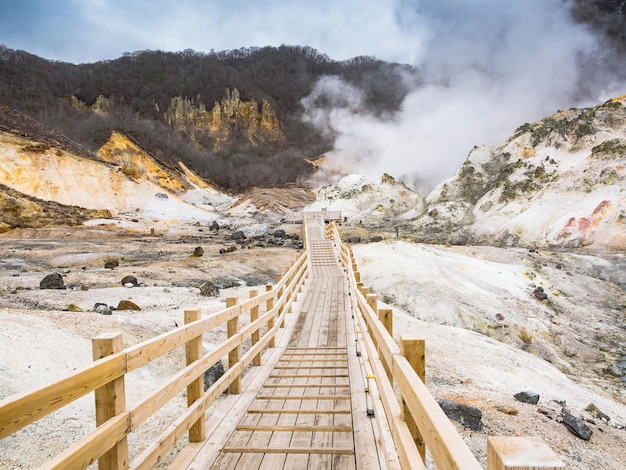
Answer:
x=558 y=182
x=513 y=270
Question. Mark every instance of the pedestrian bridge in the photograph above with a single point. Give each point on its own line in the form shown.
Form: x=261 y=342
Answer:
x=314 y=380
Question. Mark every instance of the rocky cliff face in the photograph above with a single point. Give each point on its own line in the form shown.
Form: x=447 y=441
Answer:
x=558 y=182
x=225 y=121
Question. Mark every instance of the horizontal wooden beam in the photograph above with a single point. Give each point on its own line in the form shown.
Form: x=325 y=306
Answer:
x=289 y=450
x=303 y=397
x=288 y=411
x=250 y=427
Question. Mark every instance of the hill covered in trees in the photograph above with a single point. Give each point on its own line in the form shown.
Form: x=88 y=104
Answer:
x=235 y=117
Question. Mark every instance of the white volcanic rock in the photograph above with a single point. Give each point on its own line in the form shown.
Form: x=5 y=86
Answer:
x=558 y=182
x=364 y=200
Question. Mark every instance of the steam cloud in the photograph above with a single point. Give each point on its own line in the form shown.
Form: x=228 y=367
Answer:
x=486 y=68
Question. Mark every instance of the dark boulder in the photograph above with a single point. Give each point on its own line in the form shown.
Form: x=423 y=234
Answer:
x=214 y=226
x=376 y=239
x=215 y=372
x=111 y=264
x=198 y=252
x=576 y=426
x=527 y=396
x=238 y=236
x=130 y=281
x=468 y=416
x=540 y=294
x=279 y=234
x=209 y=289
x=52 y=281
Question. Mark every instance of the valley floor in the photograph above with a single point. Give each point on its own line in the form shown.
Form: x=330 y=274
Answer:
x=487 y=337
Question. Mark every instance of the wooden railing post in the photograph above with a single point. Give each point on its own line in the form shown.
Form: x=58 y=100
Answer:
x=254 y=315
x=110 y=401
x=269 y=305
x=279 y=294
x=195 y=390
x=232 y=327
x=385 y=315
x=520 y=453
x=372 y=301
x=414 y=350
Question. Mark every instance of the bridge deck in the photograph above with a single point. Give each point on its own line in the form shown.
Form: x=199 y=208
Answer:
x=307 y=409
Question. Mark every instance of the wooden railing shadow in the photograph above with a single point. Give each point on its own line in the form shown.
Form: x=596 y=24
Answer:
x=106 y=377
x=416 y=420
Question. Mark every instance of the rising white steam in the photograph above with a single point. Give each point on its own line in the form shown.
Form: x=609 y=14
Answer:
x=487 y=67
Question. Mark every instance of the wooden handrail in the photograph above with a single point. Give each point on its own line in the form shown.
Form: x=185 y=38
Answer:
x=22 y=409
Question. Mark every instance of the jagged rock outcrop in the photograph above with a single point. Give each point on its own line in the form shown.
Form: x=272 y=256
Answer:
x=100 y=106
x=225 y=121
x=557 y=182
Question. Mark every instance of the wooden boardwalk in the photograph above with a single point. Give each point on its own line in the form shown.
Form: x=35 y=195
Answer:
x=309 y=412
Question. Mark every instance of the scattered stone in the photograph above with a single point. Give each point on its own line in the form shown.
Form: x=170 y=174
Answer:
x=111 y=264
x=499 y=317
x=527 y=396
x=214 y=226
x=215 y=372
x=198 y=252
x=468 y=416
x=508 y=410
x=560 y=401
x=559 y=266
x=595 y=411
x=84 y=288
x=353 y=240
x=127 y=305
x=208 y=289
x=576 y=426
x=73 y=308
x=238 y=236
x=102 y=309
x=540 y=294
x=376 y=239
x=130 y=281
x=230 y=249
x=52 y=281
x=279 y=234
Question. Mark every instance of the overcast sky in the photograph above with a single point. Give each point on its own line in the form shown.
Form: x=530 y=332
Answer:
x=81 y=31
x=488 y=65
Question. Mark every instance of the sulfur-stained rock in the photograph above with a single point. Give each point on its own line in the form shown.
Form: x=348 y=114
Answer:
x=127 y=305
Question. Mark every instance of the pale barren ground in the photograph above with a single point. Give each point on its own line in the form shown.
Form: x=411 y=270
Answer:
x=40 y=341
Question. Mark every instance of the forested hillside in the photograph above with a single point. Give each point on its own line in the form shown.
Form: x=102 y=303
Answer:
x=166 y=102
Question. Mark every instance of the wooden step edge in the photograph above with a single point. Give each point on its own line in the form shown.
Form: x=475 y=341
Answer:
x=290 y=411
x=347 y=385
x=289 y=450
x=303 y=397
x=295 y=428
x=307 y=376
x=310 y=367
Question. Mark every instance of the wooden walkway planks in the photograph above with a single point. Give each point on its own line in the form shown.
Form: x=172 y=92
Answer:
x=310 y=411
